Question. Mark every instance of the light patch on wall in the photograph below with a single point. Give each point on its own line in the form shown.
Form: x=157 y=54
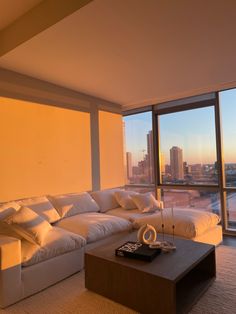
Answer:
x=111 y=150
x=44 y=150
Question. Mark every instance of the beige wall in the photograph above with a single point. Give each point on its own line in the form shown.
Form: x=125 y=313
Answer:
x=111 y=150
x=44 y=149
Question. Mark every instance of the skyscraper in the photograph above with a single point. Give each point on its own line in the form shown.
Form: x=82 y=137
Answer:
x=176 y=163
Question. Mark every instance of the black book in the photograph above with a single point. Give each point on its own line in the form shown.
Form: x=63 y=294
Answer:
x=137 y=250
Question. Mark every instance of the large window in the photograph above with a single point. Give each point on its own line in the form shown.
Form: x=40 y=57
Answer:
x=139 y=149
x=193 y=153
x=188 y=147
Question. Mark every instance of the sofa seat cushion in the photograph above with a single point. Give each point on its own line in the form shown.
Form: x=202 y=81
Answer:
x=128 y=214
x=94 y=226
x=189 y=223
x=56 y=242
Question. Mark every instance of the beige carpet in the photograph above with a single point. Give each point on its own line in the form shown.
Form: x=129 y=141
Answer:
x=70 y=296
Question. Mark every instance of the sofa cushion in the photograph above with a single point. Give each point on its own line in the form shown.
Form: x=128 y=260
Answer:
x=42 y=206
x=124 y=199
x=94 y=226
x=74 y=203
x=146 y=202
x=105 y=199
x=189 y=223
x=56 y=242
x=29 y=225
x=6 y=210
x=130 y=214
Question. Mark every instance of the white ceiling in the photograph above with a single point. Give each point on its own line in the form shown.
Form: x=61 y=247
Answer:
x=135 y=52
x=13 y=9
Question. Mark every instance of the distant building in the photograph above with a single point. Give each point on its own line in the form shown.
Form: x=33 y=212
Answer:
x=129 y=165
x=186 y=168
x=176 y=163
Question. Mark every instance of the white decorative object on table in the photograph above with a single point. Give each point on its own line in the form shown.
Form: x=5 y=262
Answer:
x=143 y=231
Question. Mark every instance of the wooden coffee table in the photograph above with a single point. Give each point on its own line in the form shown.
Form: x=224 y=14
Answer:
x=171 y=283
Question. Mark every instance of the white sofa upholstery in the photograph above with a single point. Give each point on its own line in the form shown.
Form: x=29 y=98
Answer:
x=79 y=222
x=94 y=226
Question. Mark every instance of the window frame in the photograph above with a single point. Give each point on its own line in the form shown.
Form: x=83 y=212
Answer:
x=221 y=187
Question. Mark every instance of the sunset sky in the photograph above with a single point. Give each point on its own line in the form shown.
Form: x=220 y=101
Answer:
x=191 y=130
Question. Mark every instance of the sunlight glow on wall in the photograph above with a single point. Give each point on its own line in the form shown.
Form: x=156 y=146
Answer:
x=44 y=150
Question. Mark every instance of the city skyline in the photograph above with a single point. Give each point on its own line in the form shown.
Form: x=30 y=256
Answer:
x=194 y=130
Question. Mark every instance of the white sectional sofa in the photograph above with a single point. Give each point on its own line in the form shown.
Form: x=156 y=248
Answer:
x=33 y=259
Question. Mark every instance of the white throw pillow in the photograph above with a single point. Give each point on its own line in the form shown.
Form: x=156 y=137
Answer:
x=75 y=203
x=29 y=225
x=42 y=206
x=106 y=199
x=146 y=202
x=6 y=210
x=125 y=200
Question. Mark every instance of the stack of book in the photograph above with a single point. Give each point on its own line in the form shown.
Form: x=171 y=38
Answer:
x=137 y=250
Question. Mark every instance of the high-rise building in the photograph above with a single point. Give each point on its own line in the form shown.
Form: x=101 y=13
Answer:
x=150 y=155
x=129 y=165
x=176 y=163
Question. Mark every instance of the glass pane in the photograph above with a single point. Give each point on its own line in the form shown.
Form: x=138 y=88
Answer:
x=199 y=200
x=228 y=114
x=142 y=189
x=231 y=209
x=139 y=148
x=188 y=147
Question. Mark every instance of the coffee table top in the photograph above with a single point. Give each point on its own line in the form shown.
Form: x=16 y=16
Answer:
x=170 y=266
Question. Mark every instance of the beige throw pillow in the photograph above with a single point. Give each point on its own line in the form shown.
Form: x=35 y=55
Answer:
x=29 y=225
x=105 y=199
x=146 y=202
x=74 y=203
x=42 y=206
x=125 y=200
x=6 y=210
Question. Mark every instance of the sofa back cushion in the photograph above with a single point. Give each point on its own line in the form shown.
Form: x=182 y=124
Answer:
x=6 y=210
x=29 y=225
x=146 y=202
x=106 y=199
x=42 y=206
x=125 y=200
x=74 y=203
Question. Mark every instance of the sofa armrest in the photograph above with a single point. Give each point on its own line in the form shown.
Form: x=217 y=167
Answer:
x=10 y=270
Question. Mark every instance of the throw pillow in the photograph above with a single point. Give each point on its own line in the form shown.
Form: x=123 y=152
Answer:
x=105 y=199
x=6 y=210
x=29 y=225
x=125 y=200
x=146 y=202
x=42 y=206
x=75 y=203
